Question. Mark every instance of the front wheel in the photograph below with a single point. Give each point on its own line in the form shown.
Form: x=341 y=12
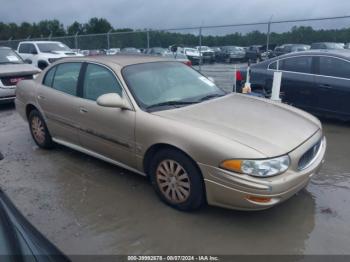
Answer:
x=177 y=180
x=39 y=130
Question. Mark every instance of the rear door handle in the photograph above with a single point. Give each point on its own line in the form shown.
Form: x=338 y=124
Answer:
x=83 y=110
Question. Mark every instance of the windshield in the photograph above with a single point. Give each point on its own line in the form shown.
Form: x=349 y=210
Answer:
x=50 y=47
x=8 y=56
x=162 y=82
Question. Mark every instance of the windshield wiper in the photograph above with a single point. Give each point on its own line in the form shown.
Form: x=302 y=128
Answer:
x=172 y=103
x=208 y=97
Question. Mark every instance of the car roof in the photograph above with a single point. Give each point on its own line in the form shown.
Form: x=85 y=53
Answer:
x=39 y=42
x=121 y=60
x=335 y=52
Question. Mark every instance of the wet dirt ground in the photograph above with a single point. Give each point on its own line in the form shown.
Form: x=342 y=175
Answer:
x=86 y=206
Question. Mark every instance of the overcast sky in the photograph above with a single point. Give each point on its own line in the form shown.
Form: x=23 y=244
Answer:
x=161 y=14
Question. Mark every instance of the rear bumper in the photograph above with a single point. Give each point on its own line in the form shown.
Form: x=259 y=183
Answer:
x=236 y=191
x=7 y=95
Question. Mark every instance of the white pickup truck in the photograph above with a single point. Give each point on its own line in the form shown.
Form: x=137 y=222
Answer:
x=43 y=53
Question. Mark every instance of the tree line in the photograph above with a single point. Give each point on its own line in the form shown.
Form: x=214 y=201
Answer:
x=51 y=29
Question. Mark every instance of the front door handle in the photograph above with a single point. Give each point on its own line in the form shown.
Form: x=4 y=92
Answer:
x=325 y=86
x=41 y=97
x=83 y=110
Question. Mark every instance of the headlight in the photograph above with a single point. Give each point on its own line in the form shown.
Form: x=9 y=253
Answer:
x=259 y=168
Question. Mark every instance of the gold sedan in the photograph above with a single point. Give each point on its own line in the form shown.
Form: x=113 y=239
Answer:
x=161 y=118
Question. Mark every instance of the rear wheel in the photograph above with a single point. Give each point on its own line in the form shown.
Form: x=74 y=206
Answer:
x=39 y=130
x=177 y=180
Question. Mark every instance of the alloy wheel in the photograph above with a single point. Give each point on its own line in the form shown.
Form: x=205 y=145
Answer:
x=38 y=129
x=173 y=181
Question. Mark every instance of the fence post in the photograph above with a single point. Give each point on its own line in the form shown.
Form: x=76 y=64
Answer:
x=147 y=38
x=108 y=39
x=76 y=40
x=200 y=49
x=9 y=41
x=268 y=36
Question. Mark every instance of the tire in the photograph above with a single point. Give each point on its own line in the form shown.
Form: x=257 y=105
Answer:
x=177 y=180
x=39 y=131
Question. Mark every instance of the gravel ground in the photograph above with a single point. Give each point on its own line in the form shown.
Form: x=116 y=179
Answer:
x=86 y=206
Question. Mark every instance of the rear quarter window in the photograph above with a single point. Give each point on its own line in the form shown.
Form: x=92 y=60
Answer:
x=48 y=79
x=335 y=67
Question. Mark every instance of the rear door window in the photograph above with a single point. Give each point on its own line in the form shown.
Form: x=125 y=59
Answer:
x=66 y=78
x=335 y=67
x=302 y=64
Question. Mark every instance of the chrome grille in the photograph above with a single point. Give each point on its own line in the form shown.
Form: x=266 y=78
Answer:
x=307 y=159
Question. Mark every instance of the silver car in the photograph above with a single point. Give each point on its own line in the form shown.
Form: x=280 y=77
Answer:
x=12 y=70
x=162 y=119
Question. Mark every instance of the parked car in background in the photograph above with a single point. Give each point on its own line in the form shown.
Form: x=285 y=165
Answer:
x=43 y=53
x=290 y=48
x=19 y=240
x=178 y=57
x=230 y=54
x=217 y=51
x=327 y=45
x=163 y=119
x=84 y=52
x=258 y=53
x=112 y=51
x=130 y=50
x=192 y=54
x=12 y=70
x=208 y=54
x=156 y=51
x=316 y=81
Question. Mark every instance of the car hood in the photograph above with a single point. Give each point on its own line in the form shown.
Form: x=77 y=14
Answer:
x=18 y=70
x=271 y=128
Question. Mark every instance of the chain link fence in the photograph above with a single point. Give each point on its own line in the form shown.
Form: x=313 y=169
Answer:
x=269 y=34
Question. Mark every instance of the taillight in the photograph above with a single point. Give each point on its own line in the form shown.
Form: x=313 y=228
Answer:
x=189 y=63
x=239 y=76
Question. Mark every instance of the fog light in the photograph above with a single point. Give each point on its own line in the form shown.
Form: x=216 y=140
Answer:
x=259 y=199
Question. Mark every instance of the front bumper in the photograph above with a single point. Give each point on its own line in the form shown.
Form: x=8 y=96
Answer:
x=236 y=191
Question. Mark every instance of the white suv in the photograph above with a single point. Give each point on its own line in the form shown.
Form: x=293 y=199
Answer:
x=43 y=53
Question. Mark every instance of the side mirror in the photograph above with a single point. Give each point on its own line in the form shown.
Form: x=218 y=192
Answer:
x=113 y=100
